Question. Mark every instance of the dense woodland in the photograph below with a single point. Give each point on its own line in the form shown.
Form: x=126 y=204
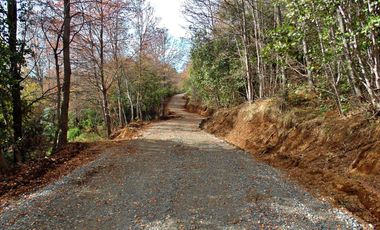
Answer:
x=324 y=51
x=79 y=70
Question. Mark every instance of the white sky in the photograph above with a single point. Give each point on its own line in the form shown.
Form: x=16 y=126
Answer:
x=171 y=17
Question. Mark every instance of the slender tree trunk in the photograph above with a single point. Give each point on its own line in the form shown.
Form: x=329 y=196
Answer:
x=122 y=121
x=121 y=114
x=125 y=116
x=62 y=137
x=130 y=99
x=307 y=63
x=58 y=110
x=374 y=50
x=247 y=62
x=375 y=101
x=374 y=54
x=104 y=87
x=106 y=111
x=16 y=83
x=257 y=31
x=363 y=73
x=280 y=68
x=351 y=74
x=329 y=72
x=138 y=107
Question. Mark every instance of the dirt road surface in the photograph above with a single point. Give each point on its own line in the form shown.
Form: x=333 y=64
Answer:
x=174 y=176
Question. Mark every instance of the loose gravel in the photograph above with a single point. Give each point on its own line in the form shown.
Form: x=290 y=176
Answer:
x=175 y=177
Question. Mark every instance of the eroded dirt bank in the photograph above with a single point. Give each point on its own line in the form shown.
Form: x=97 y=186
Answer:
x=337 y=158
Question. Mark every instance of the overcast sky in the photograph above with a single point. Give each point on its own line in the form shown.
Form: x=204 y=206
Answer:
x=171 y=17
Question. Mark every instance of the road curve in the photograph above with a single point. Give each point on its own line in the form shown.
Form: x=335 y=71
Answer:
x=174 y=176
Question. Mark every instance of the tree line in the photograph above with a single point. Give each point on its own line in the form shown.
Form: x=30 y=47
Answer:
x=68 y=66
x=250 y=49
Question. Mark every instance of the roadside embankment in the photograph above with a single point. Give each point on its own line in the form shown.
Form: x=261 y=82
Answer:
x=334 y=157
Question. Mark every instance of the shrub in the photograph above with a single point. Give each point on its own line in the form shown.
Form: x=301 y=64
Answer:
x=73 y=133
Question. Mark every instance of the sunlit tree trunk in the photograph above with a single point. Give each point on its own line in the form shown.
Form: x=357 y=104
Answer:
x=247 y=61
x=307 y=64
x=351 y=74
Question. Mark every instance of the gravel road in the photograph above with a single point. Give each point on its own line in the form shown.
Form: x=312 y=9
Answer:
x=174 y=176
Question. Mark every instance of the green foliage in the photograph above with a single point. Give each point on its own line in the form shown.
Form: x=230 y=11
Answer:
x=215 y=75
x=88 y=137
x=89 y=119
x=154 y=93
x=5 y=101
x=83 y=125
x=150 y=85
x=73 y=133
x=47 y=121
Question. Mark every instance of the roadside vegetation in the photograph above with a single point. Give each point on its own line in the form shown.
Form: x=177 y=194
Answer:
x=79 y=71
x=324 y=51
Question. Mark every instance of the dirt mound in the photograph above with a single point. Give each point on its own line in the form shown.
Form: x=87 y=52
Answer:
x=331 y=156
x=130 y=131
x=125 y=133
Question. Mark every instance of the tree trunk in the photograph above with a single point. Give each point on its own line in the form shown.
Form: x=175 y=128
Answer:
x=250 y=88
x=351 y=74
x=257 y=31
x=63 y=126
x=16 y=83
x=374 y=51
x=329 y=71
x=282 y=71
x=107 y=115
x=307 y=64
x=130 y=99
x=58 y=110
x=104 y=88
x=122 y=121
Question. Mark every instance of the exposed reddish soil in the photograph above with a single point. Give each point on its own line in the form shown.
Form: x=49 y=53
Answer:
x=130 y=131
x=333 y=157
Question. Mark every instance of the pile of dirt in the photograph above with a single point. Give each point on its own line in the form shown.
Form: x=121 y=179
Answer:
x=332 y=156
x=124 y=133
x=130 y=131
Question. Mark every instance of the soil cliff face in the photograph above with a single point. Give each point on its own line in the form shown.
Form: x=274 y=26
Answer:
x=335 y=157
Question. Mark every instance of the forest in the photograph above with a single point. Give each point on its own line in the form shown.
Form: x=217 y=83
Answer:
x=245 y=50
x=78 y=71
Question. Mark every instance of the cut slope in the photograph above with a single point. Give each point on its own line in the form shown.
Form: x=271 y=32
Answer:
x=332 y=156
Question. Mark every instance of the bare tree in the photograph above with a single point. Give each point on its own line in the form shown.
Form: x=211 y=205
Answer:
x=63 y=123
